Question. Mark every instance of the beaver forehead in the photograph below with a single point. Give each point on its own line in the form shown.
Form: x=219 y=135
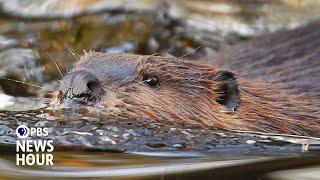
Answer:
x=110 y=67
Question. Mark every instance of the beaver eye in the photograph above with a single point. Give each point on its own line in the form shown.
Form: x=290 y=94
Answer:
x=151 y=81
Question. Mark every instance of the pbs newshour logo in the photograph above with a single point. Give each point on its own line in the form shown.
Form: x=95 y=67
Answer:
x=22 y=131
x=33 y=152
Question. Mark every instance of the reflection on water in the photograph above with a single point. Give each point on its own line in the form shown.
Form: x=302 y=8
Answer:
x=21 y=103
x=38 y=52
x=123 y=165
x=183 y=165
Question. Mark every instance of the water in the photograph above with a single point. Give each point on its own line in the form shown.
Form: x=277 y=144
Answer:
x=32 y=50
x=182 y=165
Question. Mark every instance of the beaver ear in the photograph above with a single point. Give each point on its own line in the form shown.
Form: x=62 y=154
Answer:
x=227 y=90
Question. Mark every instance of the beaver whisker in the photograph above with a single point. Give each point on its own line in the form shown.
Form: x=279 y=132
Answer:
x=194 y=51
x=22 y=82
x=56 y=64
x=67 y=45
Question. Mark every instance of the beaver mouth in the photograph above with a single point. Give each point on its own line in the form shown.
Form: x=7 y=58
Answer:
x=81 y=99
x=76 y=101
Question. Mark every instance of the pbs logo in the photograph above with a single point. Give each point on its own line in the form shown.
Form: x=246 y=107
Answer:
x=22 y=131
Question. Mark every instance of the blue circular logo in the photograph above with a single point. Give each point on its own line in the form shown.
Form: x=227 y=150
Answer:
x=22 y=131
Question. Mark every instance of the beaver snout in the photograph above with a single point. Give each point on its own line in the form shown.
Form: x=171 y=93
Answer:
x=81 y=86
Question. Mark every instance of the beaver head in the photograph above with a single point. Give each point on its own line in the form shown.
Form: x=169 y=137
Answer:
x=179 y=91
x=126 y=85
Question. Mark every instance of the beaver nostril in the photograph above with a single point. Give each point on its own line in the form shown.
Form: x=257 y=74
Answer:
x=95 y=89
x=93 y=85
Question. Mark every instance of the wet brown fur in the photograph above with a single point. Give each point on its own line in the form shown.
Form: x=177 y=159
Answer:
x=187 y=94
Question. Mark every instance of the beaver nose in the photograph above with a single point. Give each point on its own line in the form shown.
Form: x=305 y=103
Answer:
x=79 y=84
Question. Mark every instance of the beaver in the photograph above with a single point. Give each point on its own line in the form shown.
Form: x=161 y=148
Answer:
x=177 y=91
